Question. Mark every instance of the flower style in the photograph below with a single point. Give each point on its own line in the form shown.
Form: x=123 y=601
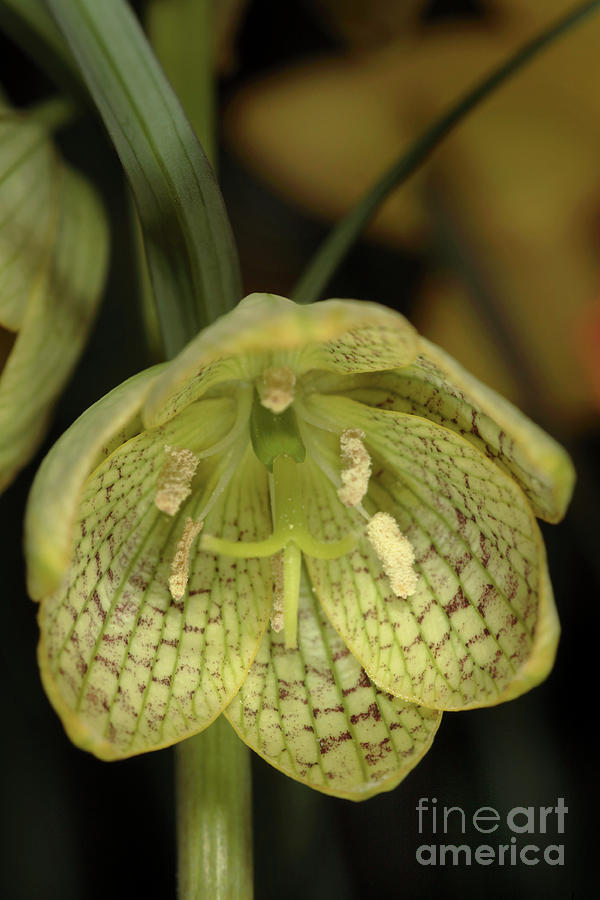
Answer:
x=313 y=521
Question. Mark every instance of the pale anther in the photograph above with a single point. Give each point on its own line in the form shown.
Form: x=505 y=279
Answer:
x=276 y=388
x=356 y=467
x=395 y=552
x=175 y=479
x=277 y=608
x=181 y=561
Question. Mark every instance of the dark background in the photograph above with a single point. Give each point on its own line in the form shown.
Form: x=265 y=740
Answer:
x=73 y=828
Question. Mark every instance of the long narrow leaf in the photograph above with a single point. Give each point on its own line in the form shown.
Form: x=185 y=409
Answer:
x=181 y=33
x=190 y=248
x=335 y=247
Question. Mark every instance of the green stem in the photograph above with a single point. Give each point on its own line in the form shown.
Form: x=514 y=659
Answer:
x=214 y=787
x=331 y=253
x=214 y=834
x=53 y=114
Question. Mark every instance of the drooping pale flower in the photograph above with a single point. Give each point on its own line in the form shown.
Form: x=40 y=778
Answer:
x=312 y=521
x=53 y=257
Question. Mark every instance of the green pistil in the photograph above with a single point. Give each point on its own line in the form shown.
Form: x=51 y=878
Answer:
x=274 y=434
x=290 y=534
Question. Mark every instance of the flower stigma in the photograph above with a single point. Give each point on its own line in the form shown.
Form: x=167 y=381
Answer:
x=278 y=445
x=290 y=536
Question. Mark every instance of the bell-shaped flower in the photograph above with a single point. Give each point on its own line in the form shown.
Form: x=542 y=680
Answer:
x=313 y=521
x=53 y=255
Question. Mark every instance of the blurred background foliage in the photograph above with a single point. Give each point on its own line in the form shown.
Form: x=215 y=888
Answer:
x=493 y=250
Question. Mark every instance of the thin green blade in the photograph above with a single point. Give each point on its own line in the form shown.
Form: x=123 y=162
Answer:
x=190 y=248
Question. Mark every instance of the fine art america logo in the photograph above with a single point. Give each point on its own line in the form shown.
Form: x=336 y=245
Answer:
x=530 y=829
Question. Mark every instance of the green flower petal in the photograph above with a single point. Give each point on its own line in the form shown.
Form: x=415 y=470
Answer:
x=314 y=715
x=336 y=335
x=127 y=667
x=53 y=255
x=540 y=466
x=55 y=496
x=481 y=626
x=436 y=387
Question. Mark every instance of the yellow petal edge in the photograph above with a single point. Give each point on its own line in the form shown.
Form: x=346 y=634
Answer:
x=56 y=491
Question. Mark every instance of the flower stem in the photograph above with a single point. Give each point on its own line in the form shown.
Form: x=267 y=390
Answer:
x=214 y=833
x=339 y=241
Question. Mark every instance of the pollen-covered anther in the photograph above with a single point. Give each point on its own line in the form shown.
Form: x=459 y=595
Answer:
x=175 y=479
x=276 y=388
x=356 y=467
x=180 y=566
x=395 y=552
x=277 y=608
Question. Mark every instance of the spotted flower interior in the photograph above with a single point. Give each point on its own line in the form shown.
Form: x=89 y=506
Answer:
x=312 y=521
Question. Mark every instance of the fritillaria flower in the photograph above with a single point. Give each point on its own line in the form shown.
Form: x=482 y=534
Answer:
x=312 y=521
x=53 y=257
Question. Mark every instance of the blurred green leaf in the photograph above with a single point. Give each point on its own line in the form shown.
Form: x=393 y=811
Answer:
x=190 y=248
x=181 y=32
x=194 y=39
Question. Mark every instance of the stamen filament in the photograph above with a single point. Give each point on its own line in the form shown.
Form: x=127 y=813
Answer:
x=220 y=478
x=244 y=408
x=279 y=540
x=327 y=462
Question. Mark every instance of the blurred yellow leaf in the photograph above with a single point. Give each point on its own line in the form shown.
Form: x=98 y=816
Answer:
x=446 y=315
x=519 y=179
x=365 y=22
